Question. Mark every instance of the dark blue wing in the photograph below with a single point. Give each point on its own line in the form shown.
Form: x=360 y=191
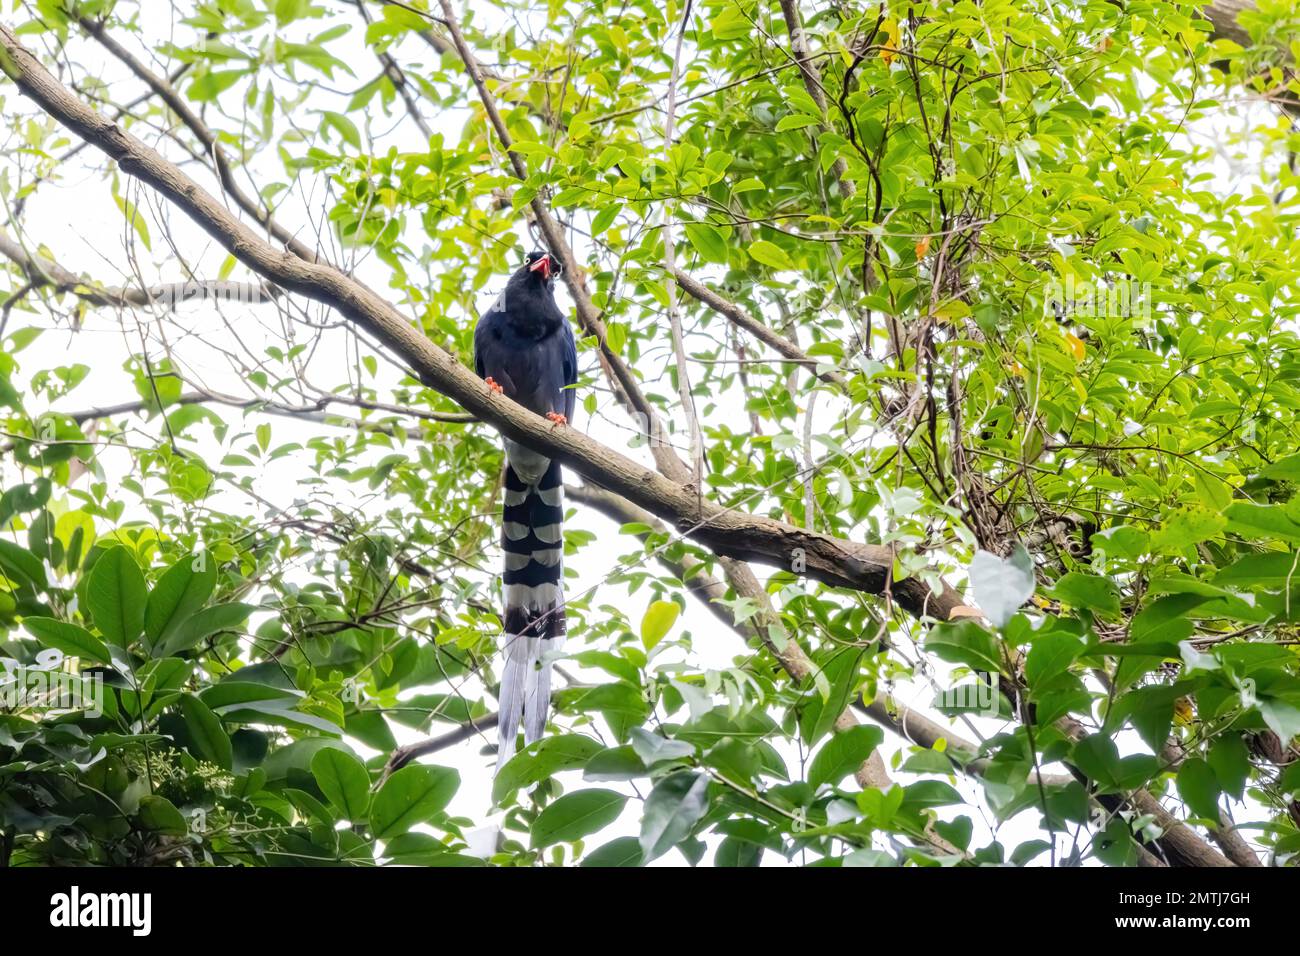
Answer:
x=570 y=350
x=533 y=372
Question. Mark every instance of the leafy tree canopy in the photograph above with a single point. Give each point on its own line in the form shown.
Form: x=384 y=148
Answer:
x=974 y=324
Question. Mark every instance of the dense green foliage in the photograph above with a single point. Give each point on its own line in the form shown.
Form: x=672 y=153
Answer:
x=1112 y=477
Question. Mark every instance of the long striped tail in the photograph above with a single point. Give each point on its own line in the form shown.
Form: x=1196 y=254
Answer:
x=532 y=586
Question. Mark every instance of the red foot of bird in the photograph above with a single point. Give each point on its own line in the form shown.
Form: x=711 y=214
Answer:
x=557 y=418
x=491 y=383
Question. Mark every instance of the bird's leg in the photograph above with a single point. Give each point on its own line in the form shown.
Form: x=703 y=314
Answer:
x=492 y=383
x=556 y=418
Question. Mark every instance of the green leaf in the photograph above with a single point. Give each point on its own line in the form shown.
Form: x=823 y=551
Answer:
x=212 y=84
x=1286 y=468
x=412 y=795
x=136 y=220
x=233 y=691
x=206 y=732
x=672 y=809
x=424 y=849
x=21 y=566
x=540 y=760
x=345 y=127
x=1050 y=655
x=708 y=241
x=290 y=766
x=1122 y=541
x=1187 y=527
x=219 y=617
x=1282 y=718
x=868 y=857
x=1230 y=760
x=344 y=781
x=69 y=638
x=1088 y=591
x=1266 y=569
x=843 y=754
x=1199 y=788
x=180 y=592
x=623 y=851
x=1099 y=759
x=770 y=254
x=834 y=687
x=929 y=793
x=575 y=815
x=1151 y=711
x=160 y=815
x=282 y=713
x=1262 y=521
x=653 y=749
x=965 y=642
x=604 y=219
x=116 y=593
x=658 y=621
x=615 y=763
x=796 y=121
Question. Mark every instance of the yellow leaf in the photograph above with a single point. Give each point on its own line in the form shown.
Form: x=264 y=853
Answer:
x=1076 y=346
x=951 y=310
x=658 y=621
x=923 y=247
x=889 y=49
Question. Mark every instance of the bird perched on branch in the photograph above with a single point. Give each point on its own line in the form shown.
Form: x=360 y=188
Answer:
x=524 y=348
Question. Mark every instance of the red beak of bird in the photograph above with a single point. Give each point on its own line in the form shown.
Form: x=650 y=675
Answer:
x=543 y=265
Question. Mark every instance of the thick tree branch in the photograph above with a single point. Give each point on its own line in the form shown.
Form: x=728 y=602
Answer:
x=1180 y=844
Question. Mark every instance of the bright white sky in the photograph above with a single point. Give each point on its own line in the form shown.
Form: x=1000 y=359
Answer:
x=79 y=221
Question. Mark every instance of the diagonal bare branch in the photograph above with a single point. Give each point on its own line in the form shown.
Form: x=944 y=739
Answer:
x=42 y=272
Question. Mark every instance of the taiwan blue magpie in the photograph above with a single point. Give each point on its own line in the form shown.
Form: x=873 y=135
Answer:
x=524 y=348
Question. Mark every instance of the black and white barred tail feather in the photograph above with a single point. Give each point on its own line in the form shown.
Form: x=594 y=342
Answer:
x=532 y=587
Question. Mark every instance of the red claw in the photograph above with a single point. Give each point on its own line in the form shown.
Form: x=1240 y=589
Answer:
x=557 y=418
x=491 y=383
